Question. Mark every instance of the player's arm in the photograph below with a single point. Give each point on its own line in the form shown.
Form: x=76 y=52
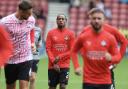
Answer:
x=113 y=55
x=75 y=48
x=39 y=40
x=122 y=40
x=6 y=46
x=68 y=53
x=32 y=38
x=32 y=32
x=32 y=35
x=48 y=48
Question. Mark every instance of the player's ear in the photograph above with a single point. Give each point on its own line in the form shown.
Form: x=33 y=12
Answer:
x=104 y=17
x=65 y=18
x=89 y=16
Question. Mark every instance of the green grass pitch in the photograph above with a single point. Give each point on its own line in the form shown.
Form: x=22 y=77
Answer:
x=75 y=82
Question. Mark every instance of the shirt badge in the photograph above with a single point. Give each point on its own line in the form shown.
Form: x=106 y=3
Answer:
x=55 y=38
x=66 y=38
x=103 y=43
x=88 y=43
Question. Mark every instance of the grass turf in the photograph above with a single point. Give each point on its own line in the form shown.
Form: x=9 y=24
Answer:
x=75 y=82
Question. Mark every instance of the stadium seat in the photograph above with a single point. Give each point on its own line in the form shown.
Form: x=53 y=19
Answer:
x=118 y=10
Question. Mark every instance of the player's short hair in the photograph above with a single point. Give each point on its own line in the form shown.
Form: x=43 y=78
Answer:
x=25 y=5
x=96 y=10
x=63 y=15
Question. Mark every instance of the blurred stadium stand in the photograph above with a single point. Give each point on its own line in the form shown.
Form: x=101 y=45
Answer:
x=76 y=10
x=119 y=13
x=55 y=8
x=7 y=7
x=40 y=9
x=78 y=15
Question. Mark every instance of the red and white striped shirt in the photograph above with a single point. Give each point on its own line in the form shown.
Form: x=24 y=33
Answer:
x=20 y=36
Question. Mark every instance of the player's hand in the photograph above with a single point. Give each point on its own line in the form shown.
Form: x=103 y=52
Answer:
x=38 y=45
x=108 y=56
x=56 y=60
x=78 y=71
x=33 y=47
x=112 y=66
x=56 y=67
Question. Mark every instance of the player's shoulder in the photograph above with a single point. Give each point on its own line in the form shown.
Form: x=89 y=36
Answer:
x=69 y=31
x=110 y=27
x=7 y=18
x=84 y=35
x=51 y=31
x=31 y=18
x=109 y=35
x=86 y=28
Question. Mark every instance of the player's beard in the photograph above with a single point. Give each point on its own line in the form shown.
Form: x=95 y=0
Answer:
x=23 y=18
x=96 y=27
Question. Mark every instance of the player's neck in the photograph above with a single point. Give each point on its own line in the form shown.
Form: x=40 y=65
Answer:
x=61 y=28
x=17 y=15
x=97 y=31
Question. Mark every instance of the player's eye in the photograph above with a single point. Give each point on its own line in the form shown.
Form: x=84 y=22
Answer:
x=60 y=19
x=99 y=18
x=94 y=18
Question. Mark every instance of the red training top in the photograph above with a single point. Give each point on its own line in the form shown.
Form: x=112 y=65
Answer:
x=59 y=43
x=118 y=36
x=6 y=46
x=94 y=46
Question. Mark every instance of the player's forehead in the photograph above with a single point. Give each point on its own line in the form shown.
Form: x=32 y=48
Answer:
x=61 y=17
x=101 y=15
x=25 y=11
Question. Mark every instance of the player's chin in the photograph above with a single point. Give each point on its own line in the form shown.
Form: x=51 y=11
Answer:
x=97 y=26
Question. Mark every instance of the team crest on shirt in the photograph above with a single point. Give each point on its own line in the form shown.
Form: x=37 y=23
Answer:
x=88 y=43
x=66 y=38
x=55 y=38
x=103 y=43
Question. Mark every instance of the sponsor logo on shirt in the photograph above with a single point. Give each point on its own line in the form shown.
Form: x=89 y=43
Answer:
x=61 y=47
x=96 y=55
x=103 y=43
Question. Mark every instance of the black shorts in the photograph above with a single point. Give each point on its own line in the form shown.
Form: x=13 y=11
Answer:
x=58 y=77
x=96 y=86
x=35 y=65
x=19 y=71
